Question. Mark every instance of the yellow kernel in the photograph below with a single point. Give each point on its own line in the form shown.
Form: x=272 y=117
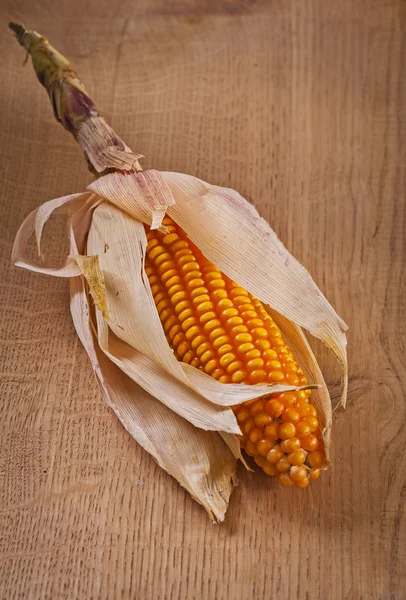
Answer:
x=216 y=284
x=240 y=300
x=270 y=354
x=316 y=459
x=248 y=425
x=162 y=258
x=238 y=329
x=204 y=297
x=212 y=324
x=274 y=364
x=202 y=348
x=243 y=348
x=196 y=284
x=208 y=316
x=313 y=423
x=262 y=419
x=226 y=359
x=274 y=408
x=178 y=338
x=210 y=366
x=196 y=363
x=303 y=408
x=188 y=322
x=314 y=474
x=283 y=465
x=218 y=294
x=303 y=429
x=297 y=457
x=224 y=379
x=197 y=341
x=224 y=303
x=275 y=454
x=263 y=447
x=234 y=321
x=191 y=275
x=187 y=357
x=268 y=468
x=165 y=266
x=242 y=338
x=276 y=376
x=185 y=314
x=242 y=415
x=191 y=332
x=260 y=332
x=217 y=373
x=302 y=484
x=204 y=307
x=151 y=243
x=293 y=379
x=156 y=251
x=181 y=306
x=291 y=415
x=285 y=480
x=250 y=448
x=169 y=323
x=290 y=445
x=162 y=305
x=272 y=431
x=224 y=349
x=248 y=312
x=256 y=407
x=216 y=334
x=260 y=461
x=289 y=398
x=255 y=363
x=213 y=275
x=208 y=355
x=168 y=275
x=179 y=245
x=219 y=341
x=298 y=473
x=238 y=376
x=182 y=348
x=257 y=376
x=234 y=366
x=263 y=344
x=255 y=323
x=255 y=435
x=286 y=430
x=309 y=442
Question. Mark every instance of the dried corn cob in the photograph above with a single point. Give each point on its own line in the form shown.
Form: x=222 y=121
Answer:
x=215 y=325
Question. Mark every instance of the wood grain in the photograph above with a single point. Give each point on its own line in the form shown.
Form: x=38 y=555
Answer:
x=301 y=107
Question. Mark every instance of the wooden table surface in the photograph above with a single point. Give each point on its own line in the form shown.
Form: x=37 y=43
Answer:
x=299 y=105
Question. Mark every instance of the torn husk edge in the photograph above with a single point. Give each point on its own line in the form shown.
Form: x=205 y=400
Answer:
x=104 y=150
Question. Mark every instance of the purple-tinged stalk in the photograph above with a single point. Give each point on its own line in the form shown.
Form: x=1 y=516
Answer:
x=105 y=151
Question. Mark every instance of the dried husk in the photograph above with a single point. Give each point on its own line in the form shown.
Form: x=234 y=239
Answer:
x=199 y=460
x=179 y=414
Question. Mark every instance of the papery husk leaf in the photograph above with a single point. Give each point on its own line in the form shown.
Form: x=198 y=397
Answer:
x=199 y=460
x=145 y=196
x=90 y=268
x=156 y=381
x=120 y=242
x=320 y=398
x=34 y=223
x=232 y=235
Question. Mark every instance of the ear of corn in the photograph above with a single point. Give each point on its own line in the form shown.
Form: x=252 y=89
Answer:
x=218 y=327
